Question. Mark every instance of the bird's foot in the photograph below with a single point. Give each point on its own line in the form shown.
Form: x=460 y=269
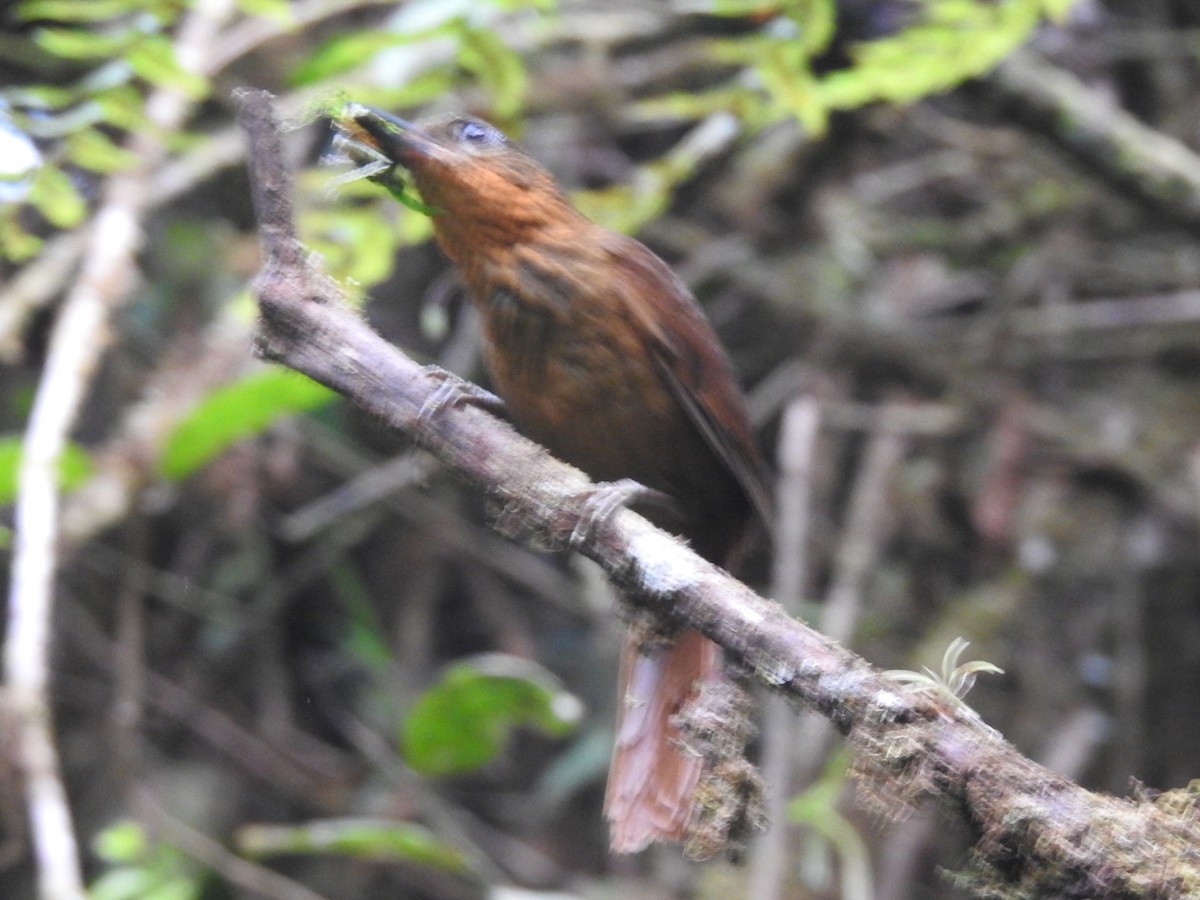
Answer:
x=453 y=391
x=605 y=498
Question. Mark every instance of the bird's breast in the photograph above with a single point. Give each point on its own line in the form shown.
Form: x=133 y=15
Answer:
x=578 y=378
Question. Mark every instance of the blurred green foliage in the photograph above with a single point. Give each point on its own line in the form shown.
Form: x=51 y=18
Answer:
x=121 y=48
x=464 y=721
x=237 y=411
x=944 y=43
x=370 y=839
x=137 y=868
x=73 y=469
x=819 y=808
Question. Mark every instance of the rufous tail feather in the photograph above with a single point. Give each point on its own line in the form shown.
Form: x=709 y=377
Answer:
x=653 y=778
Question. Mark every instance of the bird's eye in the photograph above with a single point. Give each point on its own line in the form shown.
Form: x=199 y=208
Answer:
x=479 y=133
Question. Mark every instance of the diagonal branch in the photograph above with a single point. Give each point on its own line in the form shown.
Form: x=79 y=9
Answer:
x=1038 y=834
x=1151 y=166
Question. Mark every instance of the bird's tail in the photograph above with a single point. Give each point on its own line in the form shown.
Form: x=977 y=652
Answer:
x=653 y=777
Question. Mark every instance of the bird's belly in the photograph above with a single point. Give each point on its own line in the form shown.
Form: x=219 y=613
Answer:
x=597 y=404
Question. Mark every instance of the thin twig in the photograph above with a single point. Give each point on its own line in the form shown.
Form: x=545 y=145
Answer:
x=458 y=538
x=259 y=880
x=797 y=450
x=303 y=774
x=451 y=823
x=371 y=487
x=76 y=346
x=865 y=524
x=858 y=553
x=129 y=664
x=1148 y=164
x=74 y=353
x=32 y=288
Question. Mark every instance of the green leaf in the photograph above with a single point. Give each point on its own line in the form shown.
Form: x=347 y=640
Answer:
x=74 y=10
x=55 y=197
x=16 y=244
x=179 y=887
x=946 y=43
x=1057 y=9
x=544 y=6
x=128 y=883
x=364 y=638
x=122 y=106
x=153 y=58
x=818 y=808
x=464 y=722
x=141 y=869
x=690 y=105
x=817 y=20
x=235 y=412
x=92 y=150
x=121 y=842
x=786 y=76
x=742 y=8
x=64 y=122
x=358 y=243
x=349 y=51
x=40 y=96
x=954 y=41
x=124 y=884
x=499 y=69
x=71 y=43
x=73 y=469
x=278 y=11
x=356 y=838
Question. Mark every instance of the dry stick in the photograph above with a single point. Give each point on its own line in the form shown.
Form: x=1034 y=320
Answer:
x=33 y=286
x=1037 y=831
x=865 y=526
x=129 y=664
x=857 y=555
x=284 y=768
x=457 y=537
x=455 y=825
x=367 y=489
x=257 y=879
x=76 y=345
x=797 y=450
x=1152 y=166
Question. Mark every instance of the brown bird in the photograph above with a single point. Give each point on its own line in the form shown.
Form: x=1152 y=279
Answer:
x=601 y=354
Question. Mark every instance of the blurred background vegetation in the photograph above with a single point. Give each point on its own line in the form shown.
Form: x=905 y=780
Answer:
x=955 y=238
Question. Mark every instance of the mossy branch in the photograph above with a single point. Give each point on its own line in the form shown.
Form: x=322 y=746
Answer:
x=1150 y=166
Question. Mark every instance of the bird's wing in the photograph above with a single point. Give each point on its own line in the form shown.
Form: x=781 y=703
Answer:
x=694 y=366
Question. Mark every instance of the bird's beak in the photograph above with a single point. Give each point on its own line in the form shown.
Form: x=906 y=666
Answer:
x=397 y=140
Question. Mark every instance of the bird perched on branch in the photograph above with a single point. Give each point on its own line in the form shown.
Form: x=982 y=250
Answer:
x=601 y=354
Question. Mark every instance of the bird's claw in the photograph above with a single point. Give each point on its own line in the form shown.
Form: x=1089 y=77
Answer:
x=604 y=499
x=453 y=391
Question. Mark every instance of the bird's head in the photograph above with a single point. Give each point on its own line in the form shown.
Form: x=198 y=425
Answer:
x=472 y=178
